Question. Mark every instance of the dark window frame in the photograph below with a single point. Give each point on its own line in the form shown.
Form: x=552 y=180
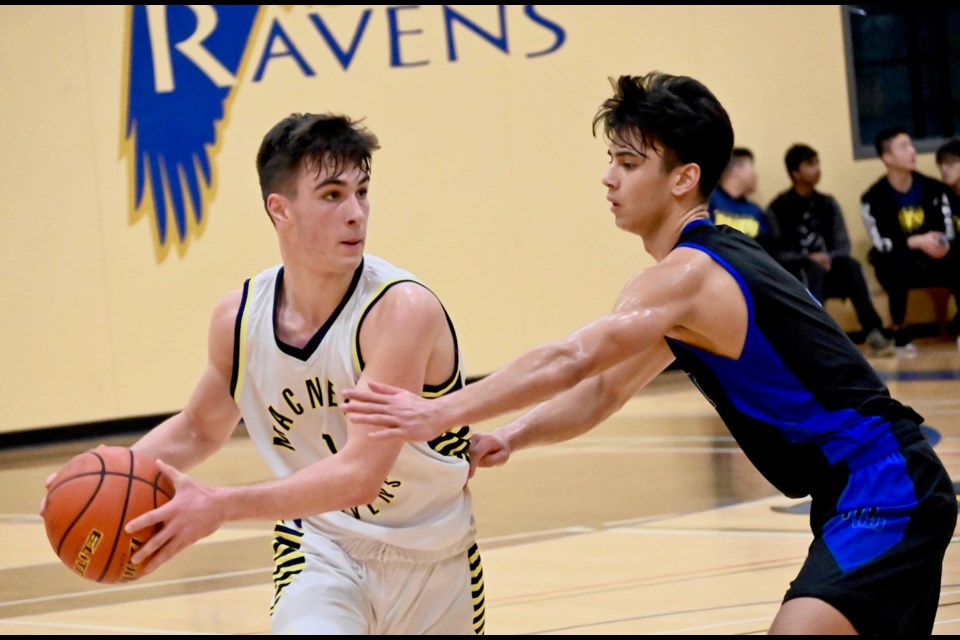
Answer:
x=934 y=101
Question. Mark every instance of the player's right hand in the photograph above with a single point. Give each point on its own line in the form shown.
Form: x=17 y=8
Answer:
x=193 y=513
x=487 y=450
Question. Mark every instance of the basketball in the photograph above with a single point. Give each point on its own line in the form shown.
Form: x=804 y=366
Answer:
x=90 y=501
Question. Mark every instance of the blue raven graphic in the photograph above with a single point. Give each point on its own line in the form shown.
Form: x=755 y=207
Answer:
x=183 y=61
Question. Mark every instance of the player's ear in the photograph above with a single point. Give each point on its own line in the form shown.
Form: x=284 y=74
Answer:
x=686 y=178
x=277 y=207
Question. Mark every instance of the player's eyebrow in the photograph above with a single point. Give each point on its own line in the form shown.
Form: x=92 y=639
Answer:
x=340 y=182
x=626 y=152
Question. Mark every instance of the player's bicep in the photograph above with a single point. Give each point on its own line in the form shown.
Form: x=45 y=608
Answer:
x=651 y=305
x=396 y=341
x=399 y=336
x=211 y=406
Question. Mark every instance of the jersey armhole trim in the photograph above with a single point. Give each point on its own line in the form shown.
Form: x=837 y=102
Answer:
x=429 y=391
x=240 y=343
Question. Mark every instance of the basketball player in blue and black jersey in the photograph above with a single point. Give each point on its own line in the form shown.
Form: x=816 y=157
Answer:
x=799 y=397
x=374 y=537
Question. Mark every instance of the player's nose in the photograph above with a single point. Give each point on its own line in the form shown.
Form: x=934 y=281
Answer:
x=608 y=180
x=355 y=210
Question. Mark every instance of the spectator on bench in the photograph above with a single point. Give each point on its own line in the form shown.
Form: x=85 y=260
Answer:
x=812 y=243
x=948 y=161
x=729 y=203
x=909 y=218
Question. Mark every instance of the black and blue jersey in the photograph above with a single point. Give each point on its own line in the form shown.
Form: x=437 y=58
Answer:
x=801 y=397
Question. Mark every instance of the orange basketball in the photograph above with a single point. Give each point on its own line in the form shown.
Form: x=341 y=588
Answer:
x=90 y=501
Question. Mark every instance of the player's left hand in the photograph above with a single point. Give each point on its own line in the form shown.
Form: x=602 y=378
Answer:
x=400 y=413
x=193 y=513
x=42 y=509
x=487 y=450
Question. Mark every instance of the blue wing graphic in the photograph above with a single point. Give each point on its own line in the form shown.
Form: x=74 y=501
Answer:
x=176 y=97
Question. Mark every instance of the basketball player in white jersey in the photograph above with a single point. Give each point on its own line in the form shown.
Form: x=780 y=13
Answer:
x=374 y=537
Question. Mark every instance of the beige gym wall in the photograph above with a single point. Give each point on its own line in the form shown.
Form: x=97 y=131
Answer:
x=487 y=185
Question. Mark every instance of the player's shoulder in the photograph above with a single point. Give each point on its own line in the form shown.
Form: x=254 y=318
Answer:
x=224 y=316
x=690 y=259
x=406 y=309
x=673 y=282
x=406 y=298
x=396 y=291
x=683 y=269
x=231 y=300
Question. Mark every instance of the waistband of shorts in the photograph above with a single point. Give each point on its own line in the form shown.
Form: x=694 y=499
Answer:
x=370 y=549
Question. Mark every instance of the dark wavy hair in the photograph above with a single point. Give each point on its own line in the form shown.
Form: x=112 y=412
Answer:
x=315 y=141
x=677 y=112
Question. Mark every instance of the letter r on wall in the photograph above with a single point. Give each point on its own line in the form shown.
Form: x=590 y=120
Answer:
x=192 y=47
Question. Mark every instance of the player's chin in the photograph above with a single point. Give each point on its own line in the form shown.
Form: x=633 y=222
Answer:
x=621 y=219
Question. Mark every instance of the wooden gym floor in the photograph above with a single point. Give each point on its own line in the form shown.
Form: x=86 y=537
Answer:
x=653 y=523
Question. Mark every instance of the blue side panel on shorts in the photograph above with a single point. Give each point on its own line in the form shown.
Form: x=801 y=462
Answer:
x=859 y=534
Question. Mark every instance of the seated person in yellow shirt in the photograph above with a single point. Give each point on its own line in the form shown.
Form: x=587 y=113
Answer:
x=729 y=204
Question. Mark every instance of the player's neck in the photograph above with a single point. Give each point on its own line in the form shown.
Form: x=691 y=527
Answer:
x=309 y=297
x=661 y=241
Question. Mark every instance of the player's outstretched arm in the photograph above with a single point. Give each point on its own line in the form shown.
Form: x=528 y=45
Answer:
x=653 y=303
x=578 y=410
x=572 y=412
x=531 y=378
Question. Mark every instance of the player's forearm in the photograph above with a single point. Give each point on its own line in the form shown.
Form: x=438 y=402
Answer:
x=180 y=442
x=588 y=404
x=322 y=487
x=550 y=422
x=578 y=410
x=531 y=378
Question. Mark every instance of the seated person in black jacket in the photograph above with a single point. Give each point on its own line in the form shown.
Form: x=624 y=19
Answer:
x=948 y=161
x=909 y=218
x=812 y=243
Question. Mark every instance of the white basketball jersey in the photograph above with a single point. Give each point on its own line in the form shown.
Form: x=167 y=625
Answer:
x=289 y=399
